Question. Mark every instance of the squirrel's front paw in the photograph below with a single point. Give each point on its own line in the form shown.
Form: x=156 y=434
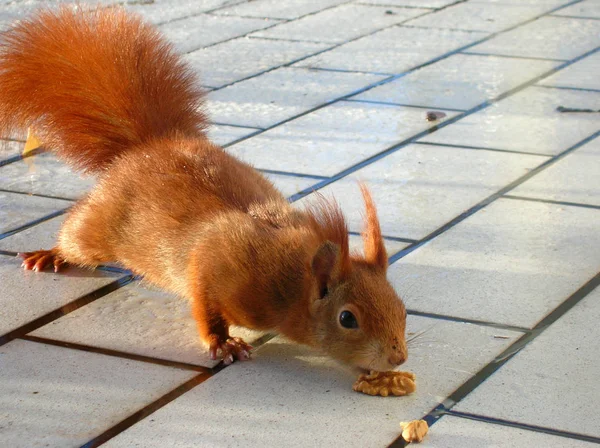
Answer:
x=230 y=349
x=386 y=383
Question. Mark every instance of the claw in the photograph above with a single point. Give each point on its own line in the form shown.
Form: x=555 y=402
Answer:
x=39 y=260
x=231 y=349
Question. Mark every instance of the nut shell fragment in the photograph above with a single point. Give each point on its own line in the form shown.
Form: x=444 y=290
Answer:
x=386 y=383
x=414 y=431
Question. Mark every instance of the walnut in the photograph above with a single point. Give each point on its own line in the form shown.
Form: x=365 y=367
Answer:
x=386 y=383
x=414 y=431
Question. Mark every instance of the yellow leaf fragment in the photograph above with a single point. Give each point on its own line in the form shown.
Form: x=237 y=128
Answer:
x=31 y=143
x=386 y=383
x=414 y=431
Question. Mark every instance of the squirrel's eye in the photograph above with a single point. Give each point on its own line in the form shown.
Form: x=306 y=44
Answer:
x=347 y=320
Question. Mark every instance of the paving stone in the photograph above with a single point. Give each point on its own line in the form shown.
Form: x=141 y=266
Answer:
x=419 y=3
x=38 y=174
x=392 y=50
x=289 y=185
x=10 y=149
x=54 y=396
x=281 y=94
x=200 y=31
x=41 y=236
x=140 y=320
x=419 y=188
x=548 y=37
x=454 y=431
x=333 y=138
x=512 y=263
x=277 y=9
x=27 y=295
x=491 y=17
x=526 y=121
x=572 y=179
x=342 y=23
x=580 y=75
x=221 y=134
x=459 y=82
x=587 y=8
x=286 y=388
x=239 y=58
x=161 y=11
x=557 y=371
x=19 y=209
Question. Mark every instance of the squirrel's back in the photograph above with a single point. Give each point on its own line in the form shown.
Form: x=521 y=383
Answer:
x=92 y=83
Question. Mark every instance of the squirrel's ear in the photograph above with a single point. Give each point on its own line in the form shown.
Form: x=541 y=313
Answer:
x=325 y=266
x=375 y=252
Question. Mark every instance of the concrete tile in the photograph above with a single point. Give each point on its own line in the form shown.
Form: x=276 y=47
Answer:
x=587 y=8
x=419 y=3
x=277 y=9
x=161 y=11
x=392 y=50
x=526 y=121
x=489 y=17
x=553 y=3
x=557 y=371
x=289 y=185
x=572 y=179
x=18 y=209
x=27 y=295
x=548 y=37
x=512 y=263
x=419 y=188
x=454 y=431
x=281 y=94
x=10 y=149
x=459 y=82
x=295 y=397
x=53 y=396
x=38 y=174
x=333 y=138
x=342 y=23
x=139 y=320
x=41 y=236
x=221 y=134
x=200 y=31
x=581 y=75
x=239 y=58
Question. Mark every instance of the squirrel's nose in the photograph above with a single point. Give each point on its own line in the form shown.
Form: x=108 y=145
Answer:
x=397 y=358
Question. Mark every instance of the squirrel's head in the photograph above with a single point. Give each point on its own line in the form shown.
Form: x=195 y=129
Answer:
x=359 y=319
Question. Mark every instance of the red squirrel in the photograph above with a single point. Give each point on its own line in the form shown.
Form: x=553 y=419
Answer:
x=109 y=95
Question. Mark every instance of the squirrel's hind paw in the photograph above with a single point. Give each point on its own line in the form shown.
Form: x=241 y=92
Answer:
x=40 y=259
x=232 y=348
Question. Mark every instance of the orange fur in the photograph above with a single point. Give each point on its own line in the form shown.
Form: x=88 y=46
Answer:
x=179 y=210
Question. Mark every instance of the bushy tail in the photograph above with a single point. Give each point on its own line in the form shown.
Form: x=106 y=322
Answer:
x=92 y=83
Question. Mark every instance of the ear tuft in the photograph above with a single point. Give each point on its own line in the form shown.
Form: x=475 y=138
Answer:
x=375 y=252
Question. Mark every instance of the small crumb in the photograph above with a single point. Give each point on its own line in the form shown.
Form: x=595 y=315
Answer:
x=389 y=12
x=434 y=116
x=414 y=431
x=499 y=336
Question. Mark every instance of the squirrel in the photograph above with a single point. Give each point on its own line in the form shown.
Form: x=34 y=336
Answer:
x=108 y=94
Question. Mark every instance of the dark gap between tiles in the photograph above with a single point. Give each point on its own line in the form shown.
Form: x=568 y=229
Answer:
x=525 y=426
x=340 y=70
x=391 y=238
x=65 y=309
x=469 y=321
x=500 y=193
x=447 y=109
x=483 y=148
x=32 y=223
x=291 y=174
x=147 y=410
x=18 y=157
x=117 y=353
x=37 y=195
x=580 y=89
x=472 y=383
x=575 y=17
x=508 y=56
x=461 y=30
x=550 y=201
x=216 y=123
